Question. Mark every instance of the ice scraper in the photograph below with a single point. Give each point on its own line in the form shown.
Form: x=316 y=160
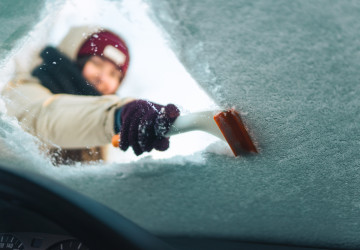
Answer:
x=226 y=125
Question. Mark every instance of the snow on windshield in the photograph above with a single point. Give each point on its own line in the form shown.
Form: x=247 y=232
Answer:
x=292 y=67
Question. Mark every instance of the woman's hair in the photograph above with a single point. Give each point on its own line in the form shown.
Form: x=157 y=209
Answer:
x=80 y=62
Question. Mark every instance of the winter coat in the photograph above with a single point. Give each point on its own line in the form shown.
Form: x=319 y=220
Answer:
x=71 y=122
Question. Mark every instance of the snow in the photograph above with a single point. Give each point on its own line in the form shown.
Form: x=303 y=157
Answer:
x=290 y=67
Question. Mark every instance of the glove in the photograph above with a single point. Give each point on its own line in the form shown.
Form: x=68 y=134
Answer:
x=144 y=125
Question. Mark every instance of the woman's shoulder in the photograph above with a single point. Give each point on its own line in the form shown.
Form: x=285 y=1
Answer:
x=26 y=85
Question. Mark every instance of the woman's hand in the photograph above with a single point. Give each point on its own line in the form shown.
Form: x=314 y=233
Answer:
x=144 y=125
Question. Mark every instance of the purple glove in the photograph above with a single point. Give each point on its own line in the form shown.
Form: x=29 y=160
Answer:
x=144 y=125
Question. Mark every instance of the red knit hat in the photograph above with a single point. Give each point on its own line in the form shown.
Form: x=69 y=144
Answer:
x=106 y=44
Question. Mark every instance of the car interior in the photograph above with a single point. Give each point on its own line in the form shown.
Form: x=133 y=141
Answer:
x=39 y=213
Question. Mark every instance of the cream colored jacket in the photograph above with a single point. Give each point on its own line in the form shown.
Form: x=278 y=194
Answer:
x=69 y=121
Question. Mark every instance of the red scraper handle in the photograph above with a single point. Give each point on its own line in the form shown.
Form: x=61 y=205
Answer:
x=234 y=131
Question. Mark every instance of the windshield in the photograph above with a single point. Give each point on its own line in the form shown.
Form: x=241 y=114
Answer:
x=290 y=68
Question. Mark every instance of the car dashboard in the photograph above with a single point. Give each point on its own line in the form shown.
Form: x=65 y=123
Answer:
x=21 y=229
x=39 y=241
x=38 y=213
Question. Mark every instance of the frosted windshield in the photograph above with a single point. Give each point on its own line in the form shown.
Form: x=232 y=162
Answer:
x=292 y=69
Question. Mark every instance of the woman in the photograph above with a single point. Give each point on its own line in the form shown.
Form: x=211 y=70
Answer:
x=69 y=100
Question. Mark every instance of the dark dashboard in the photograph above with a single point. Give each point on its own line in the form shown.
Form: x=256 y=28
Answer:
x=37 y=213
x=22 y=229
x=39 y=241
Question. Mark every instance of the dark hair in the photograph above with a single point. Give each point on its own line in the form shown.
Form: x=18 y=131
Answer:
x=80 y=62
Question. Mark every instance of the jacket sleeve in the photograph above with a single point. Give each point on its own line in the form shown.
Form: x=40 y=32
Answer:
x=68 y=121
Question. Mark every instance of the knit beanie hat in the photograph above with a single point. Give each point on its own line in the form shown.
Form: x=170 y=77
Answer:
x=108 y=45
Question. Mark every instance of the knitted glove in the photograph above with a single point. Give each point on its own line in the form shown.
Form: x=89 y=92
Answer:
x=144 y=125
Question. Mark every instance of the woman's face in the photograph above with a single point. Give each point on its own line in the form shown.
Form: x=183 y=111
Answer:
x=102 y=74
